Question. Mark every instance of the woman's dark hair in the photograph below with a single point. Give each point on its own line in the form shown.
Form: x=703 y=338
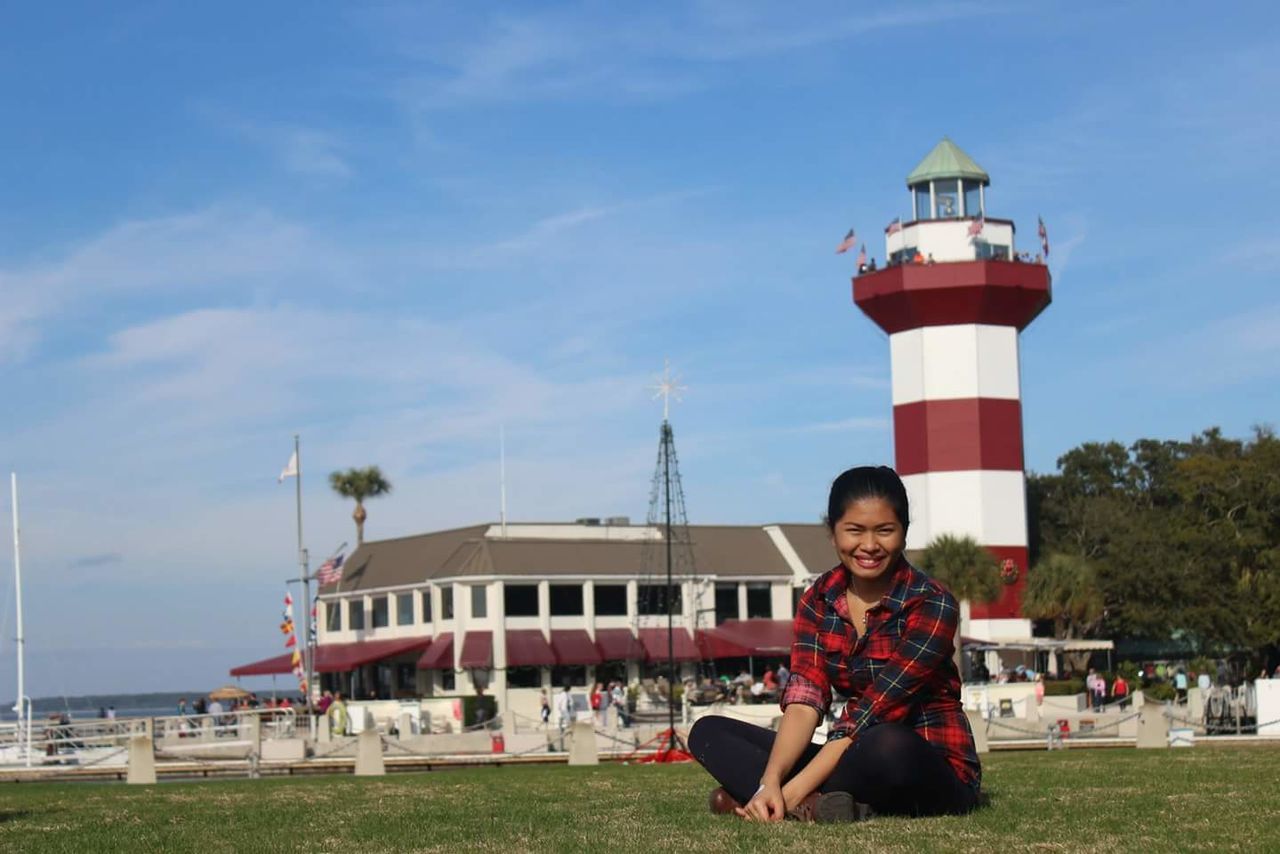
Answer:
x=868 y=482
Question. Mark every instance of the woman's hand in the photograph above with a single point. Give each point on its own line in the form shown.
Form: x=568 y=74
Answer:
x=766 y=805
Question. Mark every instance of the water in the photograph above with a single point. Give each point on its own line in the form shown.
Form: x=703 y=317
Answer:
x=152 y=705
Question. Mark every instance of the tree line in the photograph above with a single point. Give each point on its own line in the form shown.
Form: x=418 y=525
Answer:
x=1160 y=539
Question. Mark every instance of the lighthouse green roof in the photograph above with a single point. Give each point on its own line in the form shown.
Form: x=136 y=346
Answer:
x=947 y=161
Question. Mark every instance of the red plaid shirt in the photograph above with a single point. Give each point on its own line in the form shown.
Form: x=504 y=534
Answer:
x=899 y=671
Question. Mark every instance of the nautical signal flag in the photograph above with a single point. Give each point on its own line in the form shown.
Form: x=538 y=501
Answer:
x=291 y=642
x=1044 y=238
x=330 y=572
x=290 y=468
x=894 y=227
x=975 y=227
x=845 y=245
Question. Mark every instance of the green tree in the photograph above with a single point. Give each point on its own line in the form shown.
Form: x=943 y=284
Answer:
x=1064 y=588
x=360 y=485
x=968 y=570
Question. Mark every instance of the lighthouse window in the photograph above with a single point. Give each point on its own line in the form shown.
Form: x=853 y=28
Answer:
x=946 y=195
x=923 y=209
x=333 y=613
x=972 y=198
x=651 y=599
x=355 y=614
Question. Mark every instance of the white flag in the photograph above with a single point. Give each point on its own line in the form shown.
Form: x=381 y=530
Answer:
x=291 y=469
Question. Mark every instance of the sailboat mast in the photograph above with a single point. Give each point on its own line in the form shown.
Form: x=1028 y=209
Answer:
x=22 y=706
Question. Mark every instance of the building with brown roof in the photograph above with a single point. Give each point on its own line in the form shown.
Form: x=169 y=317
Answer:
x=523 y=607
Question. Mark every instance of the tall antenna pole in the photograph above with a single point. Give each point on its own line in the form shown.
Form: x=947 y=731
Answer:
x=671 y=635
x=308 y=656
x=23 y=705
x=502 y=476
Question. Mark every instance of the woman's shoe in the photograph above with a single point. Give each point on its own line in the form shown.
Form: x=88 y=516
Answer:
x=806 y=810
x=721 y=802
x=836 y=807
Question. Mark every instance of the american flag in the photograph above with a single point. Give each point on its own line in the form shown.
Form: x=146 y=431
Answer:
x=894 y=227
x=847 y=243
x=975 y=227
x=862 y=257
x=330 y=572
x=1044 y=238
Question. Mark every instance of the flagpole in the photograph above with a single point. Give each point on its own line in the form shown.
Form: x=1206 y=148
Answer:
x=307 y=650
x=23 y=706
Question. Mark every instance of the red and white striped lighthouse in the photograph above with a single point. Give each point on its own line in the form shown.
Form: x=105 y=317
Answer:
x=953 y=298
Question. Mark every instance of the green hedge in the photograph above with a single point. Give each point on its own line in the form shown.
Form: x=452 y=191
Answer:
x=1063 y=687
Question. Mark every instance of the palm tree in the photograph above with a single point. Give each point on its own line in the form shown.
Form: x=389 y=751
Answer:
x=1064 y=588
x=969 y=571
x=360 y=484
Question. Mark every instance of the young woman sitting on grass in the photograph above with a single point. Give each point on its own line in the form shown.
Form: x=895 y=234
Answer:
x=882 y=633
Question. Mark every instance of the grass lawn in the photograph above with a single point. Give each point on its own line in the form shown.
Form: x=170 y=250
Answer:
x=1220 y=797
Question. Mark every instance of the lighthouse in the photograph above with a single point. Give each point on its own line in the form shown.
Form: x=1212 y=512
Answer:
x=952 y=297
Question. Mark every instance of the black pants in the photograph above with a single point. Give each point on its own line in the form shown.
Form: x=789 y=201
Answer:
x=889 y=767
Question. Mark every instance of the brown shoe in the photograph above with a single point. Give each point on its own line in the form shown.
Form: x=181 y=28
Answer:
x=721 y=802
x=806 y=810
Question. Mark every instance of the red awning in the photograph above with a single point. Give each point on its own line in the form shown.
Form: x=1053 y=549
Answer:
x=340 y=657
x=618 y=645
x=477 y=650
x=526 y=648
x=439 y=656
x=574 y=646
x=717 y=644
x=336 y=657
x=656 y=646
x=266 y=667
x=758 y=637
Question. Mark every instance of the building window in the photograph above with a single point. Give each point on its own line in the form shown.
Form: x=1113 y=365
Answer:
x=796 y=593
x=972 y=198
x=611 y=600
x=355 y=614
x=406 y=678
x=566 y=600
x=759 y=602
x=479 y=604
x=446 y=603
x=381 y=612
x=568 y=674
x=426 y=605
x=333 y=613
x=524 y=677
x=520 y=600
x=990 y=251
x=726 y=601
x=448 y=680
x=652 y=599
x=404 y=609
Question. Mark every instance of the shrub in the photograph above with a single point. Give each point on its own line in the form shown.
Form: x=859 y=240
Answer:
x=1063 y=687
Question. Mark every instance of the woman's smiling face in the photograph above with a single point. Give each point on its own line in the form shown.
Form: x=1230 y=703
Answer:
x=868 y=538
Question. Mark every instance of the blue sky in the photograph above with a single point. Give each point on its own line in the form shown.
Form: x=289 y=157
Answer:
x=394 y=228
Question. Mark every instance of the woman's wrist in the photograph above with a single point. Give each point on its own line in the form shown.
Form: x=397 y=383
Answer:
x=771 y=779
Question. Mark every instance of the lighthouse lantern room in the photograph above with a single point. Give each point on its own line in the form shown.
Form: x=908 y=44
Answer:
x=953 y=296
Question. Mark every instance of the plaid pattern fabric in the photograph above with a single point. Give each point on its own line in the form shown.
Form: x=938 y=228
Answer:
x=899 y=671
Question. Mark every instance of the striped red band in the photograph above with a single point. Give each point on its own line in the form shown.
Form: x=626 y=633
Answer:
x=972 y=434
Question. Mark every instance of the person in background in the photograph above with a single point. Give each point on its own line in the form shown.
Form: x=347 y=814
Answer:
x=1204 y=683
x=326 y=700
x=600 y=704
x=339 y=720
x=1039 y=689
x=544 y=708
x=1120 y=691
x=784 y=675
x=769 y=681
x=182 y=707
x=111 y=713
x=1180 y=686
x=618 y=695
x=564 y=709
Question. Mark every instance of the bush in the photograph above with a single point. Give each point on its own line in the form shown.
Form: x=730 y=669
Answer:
x=1160 y=691
x=1063 y=687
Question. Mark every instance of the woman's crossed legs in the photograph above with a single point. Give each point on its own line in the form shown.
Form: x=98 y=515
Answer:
x=889 y=767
